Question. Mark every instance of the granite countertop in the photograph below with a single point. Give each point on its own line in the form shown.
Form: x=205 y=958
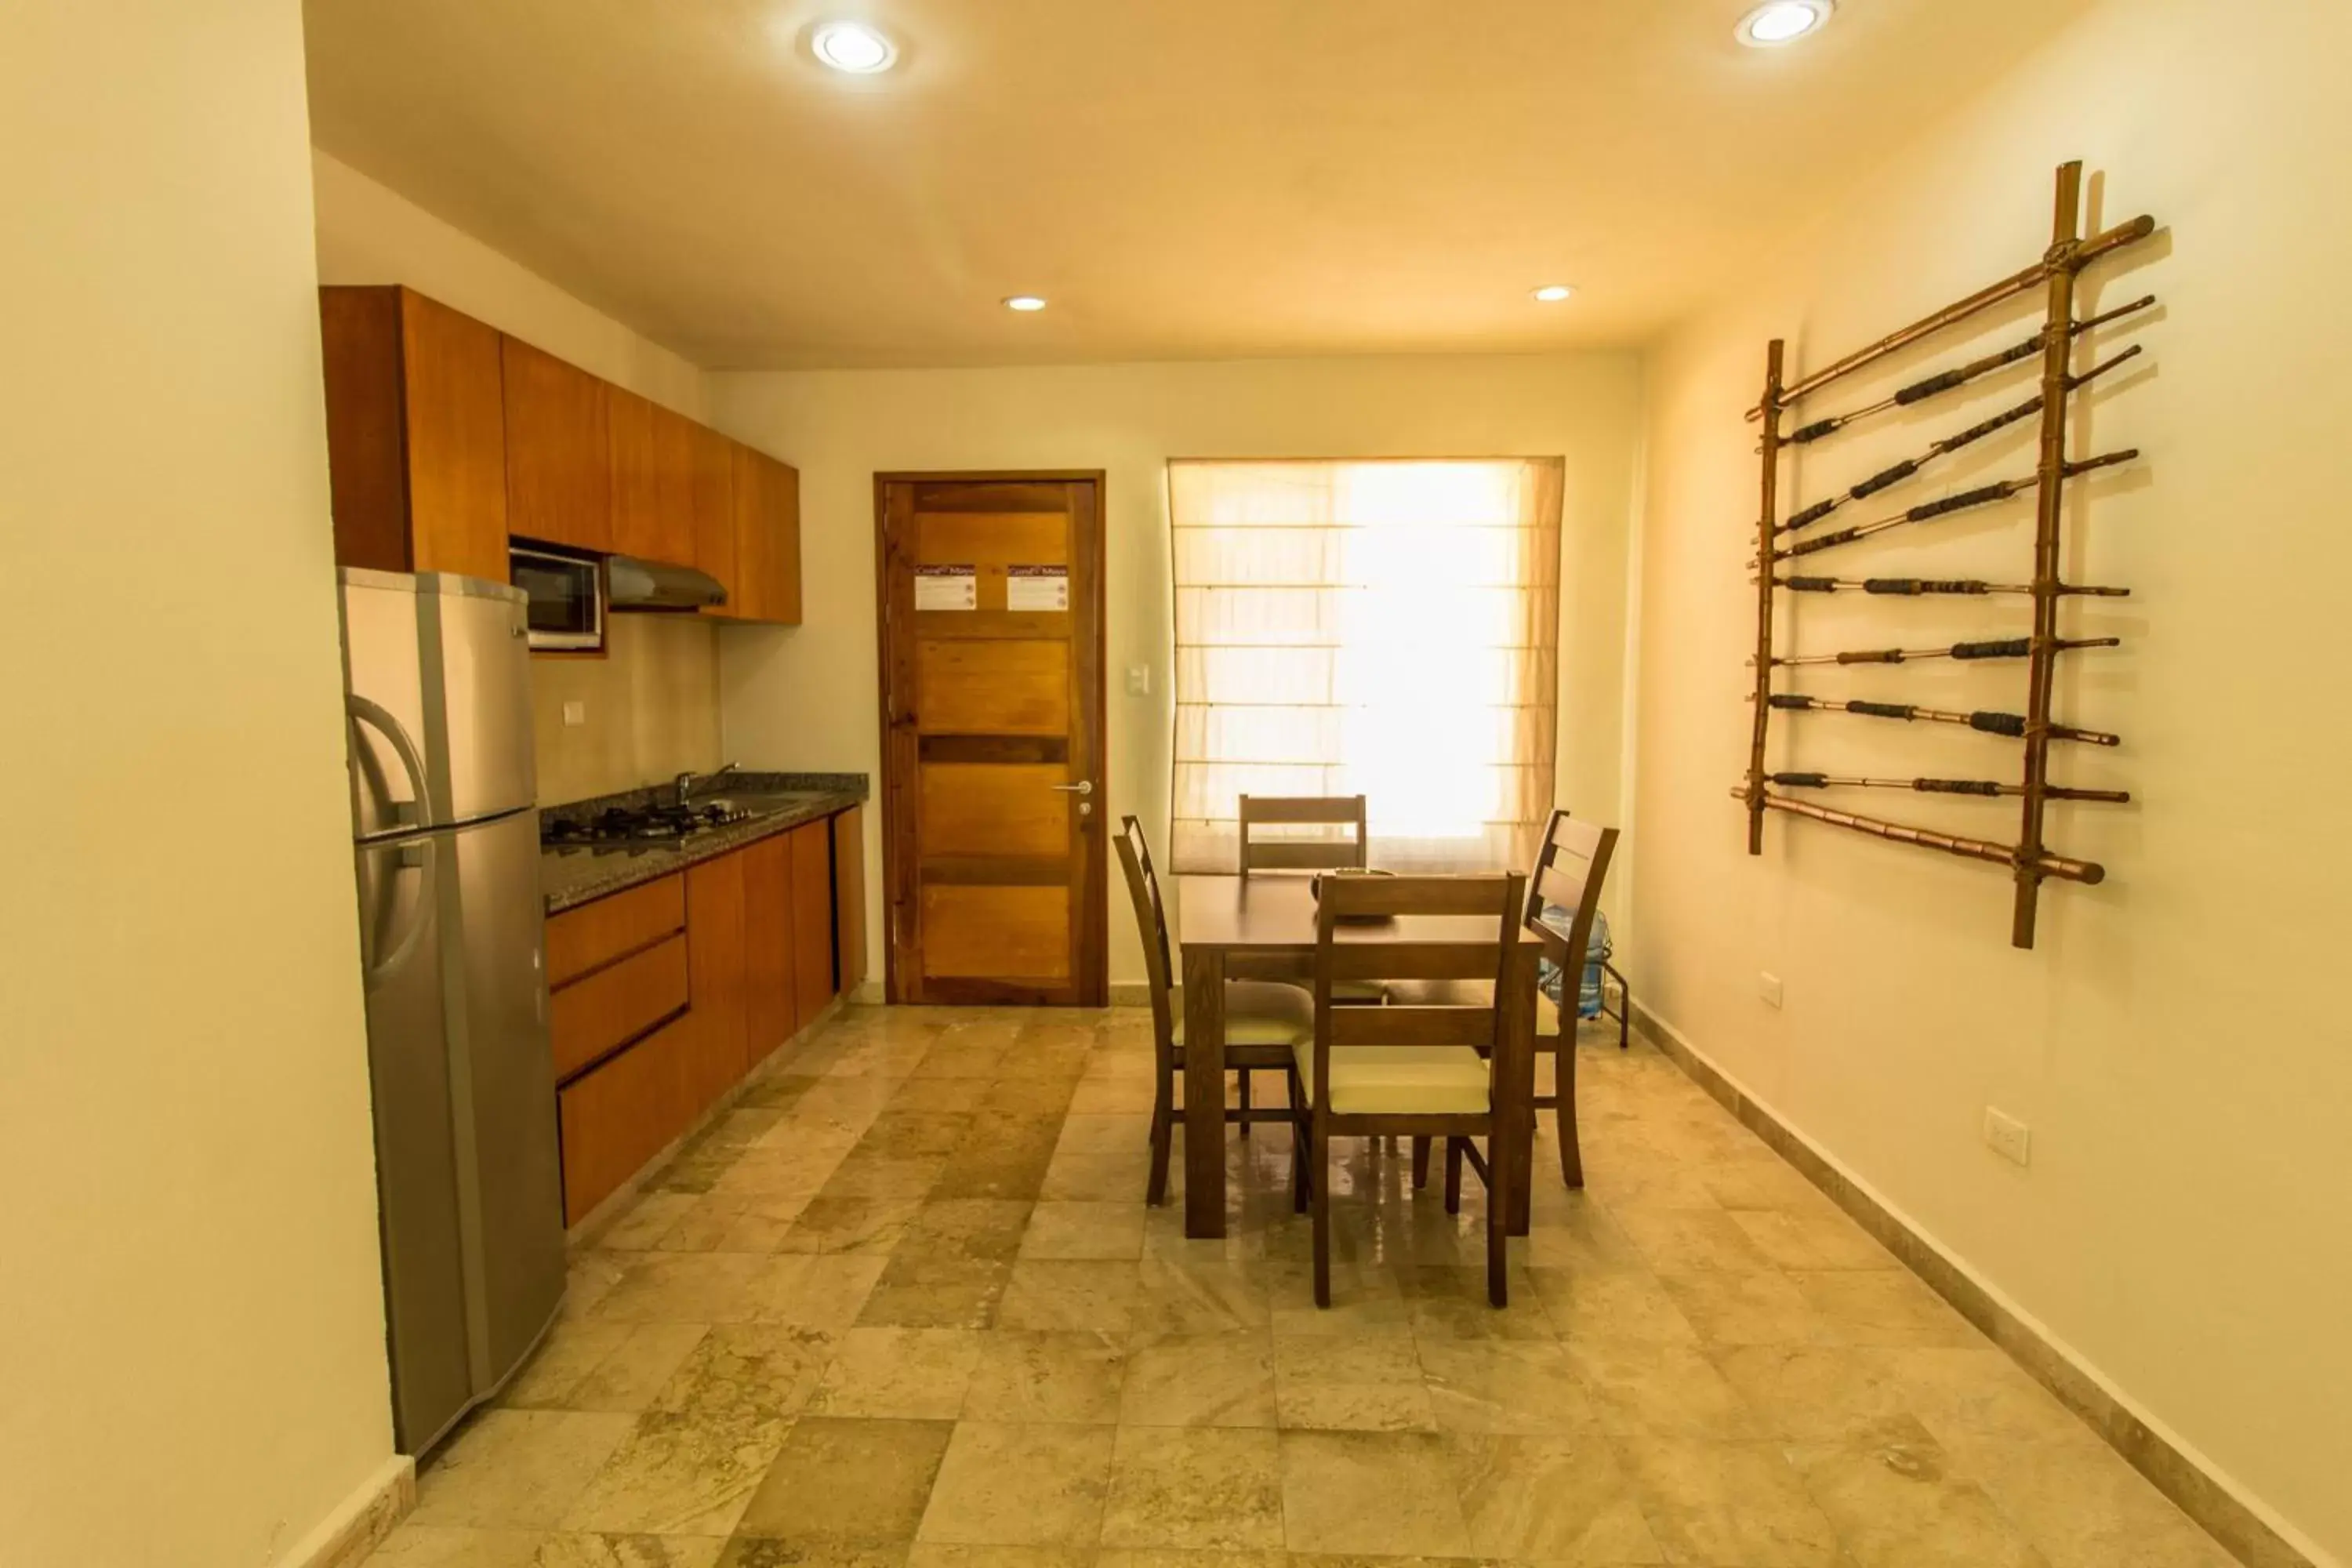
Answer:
x=577 y=875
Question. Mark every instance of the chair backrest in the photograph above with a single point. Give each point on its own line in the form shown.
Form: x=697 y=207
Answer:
x=1570 y=870
x=1151 y=924
x=1403 y=956
x=1296 y=854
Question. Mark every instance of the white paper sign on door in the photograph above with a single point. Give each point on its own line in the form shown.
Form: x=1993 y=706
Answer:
x=1036 y=587
x=947 y=587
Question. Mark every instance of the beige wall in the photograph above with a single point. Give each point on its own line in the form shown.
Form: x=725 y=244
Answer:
x=805 y=696
x=651 y=703
x=2176 y=1041
x=650 y=708
x=191 y=1321
x=369 y=233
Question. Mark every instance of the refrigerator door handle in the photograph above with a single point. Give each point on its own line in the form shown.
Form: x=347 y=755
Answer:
x=416 y=856
x=412 y=762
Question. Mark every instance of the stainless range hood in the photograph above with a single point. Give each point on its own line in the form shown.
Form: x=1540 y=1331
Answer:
x=634 y=585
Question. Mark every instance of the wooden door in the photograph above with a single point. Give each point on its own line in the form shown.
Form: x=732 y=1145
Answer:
x=714 y=515
x=993 y=719
x=768 y=947
x=558 y=463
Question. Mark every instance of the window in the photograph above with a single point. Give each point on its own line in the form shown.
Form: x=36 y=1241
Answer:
x=1385 y=628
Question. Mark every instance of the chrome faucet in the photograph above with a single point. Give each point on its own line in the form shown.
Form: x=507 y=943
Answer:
x=685 y=781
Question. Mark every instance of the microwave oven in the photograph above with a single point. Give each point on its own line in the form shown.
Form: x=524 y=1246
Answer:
x=565 y=594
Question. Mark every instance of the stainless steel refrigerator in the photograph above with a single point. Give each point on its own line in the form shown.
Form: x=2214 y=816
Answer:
x=453 y=937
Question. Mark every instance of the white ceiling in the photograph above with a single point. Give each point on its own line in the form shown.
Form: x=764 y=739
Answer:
x=1181 y=178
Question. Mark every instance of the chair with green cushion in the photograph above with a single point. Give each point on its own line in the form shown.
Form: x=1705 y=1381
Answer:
x=1264 y=1020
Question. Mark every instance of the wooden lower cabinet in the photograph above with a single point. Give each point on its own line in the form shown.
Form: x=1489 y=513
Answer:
x=595 y=934
x=756 y=960
x=849 y=901
x=714 y=935
x=612 y=1005
x=771 y=1012
x=620 y=1114
x=812 y=921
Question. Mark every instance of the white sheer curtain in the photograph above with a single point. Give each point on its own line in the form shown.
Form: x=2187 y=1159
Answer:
x=1383 y=628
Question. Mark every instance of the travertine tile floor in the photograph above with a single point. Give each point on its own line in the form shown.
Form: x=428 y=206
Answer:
x=903 y=1308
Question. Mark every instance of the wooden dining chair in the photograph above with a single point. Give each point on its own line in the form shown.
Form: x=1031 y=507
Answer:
x=1569 y=869
x=1295 y=854
x=1290 y=853
x=1264 y=1020
x=1412 y=1071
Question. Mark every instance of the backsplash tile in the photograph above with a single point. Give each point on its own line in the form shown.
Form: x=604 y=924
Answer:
x=652 y=709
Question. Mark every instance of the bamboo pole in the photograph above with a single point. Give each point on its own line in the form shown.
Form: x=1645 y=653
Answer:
x=2088 y=871
x=2008 y=288
x=1766 y=518
x=2065 y=250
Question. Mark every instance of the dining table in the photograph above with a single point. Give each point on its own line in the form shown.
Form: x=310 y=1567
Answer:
x=1263 y=928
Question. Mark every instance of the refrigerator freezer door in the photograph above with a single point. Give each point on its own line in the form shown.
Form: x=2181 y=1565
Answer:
x=476 y=672
x=402 y=944
x=439 y=669
x=384 y=669
x=509 y=1179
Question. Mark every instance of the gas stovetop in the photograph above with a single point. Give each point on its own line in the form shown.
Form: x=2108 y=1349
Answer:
x=626 y=827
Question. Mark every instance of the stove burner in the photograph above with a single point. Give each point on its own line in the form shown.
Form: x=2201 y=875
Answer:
x=638 y=825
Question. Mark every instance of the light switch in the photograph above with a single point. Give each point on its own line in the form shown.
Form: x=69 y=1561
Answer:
x=576 y=713
x=1138 y=681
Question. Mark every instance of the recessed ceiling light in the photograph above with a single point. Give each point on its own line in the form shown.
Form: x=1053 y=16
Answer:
x=1782 y=22
x=852 y=46
x=1553 y=293
x=1024 y=302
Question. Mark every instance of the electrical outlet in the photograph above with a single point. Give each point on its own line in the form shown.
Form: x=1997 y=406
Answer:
x=576 y=713
x=2010 y=1139
x=1767 y=986
x=1138 y=681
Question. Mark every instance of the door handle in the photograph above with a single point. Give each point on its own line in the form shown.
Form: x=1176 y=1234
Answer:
x=1084 y=786
x=405 y=813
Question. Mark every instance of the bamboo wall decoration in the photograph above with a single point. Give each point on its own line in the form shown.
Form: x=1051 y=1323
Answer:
x=2029 y=860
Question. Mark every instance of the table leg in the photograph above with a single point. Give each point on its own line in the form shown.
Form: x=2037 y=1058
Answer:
x=1205 y=1092
x=1520 y=1027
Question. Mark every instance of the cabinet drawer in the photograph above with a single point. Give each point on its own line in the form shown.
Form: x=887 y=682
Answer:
x=616 y=1003
x=594 y=935
x=621 y=1115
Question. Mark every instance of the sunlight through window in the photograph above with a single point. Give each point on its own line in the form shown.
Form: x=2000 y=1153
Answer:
x=1384 y=628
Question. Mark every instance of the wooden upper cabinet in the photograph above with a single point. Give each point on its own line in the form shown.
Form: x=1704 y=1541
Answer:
x=714 y=512
x=559 y=457
x=674 y=456
x=767 y=538
x=653 y=479
x=445 y=437
x=415 y=438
